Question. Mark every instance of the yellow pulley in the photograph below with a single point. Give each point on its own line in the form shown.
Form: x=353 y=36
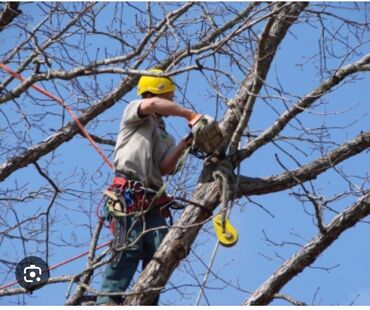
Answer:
x=226 y=234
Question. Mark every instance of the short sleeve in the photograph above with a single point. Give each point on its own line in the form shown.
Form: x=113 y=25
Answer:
x=131 y=116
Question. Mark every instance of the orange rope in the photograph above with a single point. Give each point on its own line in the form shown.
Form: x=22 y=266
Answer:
x=64 y=105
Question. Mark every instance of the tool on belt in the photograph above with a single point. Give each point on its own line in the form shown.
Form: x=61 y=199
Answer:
x=127 y=198
x=130 y=198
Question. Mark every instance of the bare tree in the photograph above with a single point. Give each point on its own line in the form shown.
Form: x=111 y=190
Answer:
x=225 y=55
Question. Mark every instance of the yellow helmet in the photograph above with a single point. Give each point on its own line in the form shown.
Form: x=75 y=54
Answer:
x=155 y=85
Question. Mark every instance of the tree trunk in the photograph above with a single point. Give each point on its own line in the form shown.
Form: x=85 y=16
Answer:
x=178 y=241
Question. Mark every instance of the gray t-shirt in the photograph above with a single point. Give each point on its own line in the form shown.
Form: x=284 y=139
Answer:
x=141 y=145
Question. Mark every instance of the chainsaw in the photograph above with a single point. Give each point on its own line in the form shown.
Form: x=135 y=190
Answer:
x=207 y=136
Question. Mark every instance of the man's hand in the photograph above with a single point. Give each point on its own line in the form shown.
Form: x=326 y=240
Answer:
x=168 y=164
x=187 y=140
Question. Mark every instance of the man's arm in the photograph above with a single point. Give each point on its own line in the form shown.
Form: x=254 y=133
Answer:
x=164 y=107
x=168 y=164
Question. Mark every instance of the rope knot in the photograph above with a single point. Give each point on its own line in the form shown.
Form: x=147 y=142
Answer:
x=224 y=173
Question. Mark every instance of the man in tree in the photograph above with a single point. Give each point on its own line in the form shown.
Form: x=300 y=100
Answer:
x=144 y=153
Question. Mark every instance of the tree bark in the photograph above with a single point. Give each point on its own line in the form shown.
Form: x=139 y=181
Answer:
x=258 y=186
x=177 y=242
x=10 y=12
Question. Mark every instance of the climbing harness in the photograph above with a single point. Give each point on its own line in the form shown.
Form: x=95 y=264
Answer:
x=129 y=198
x=126 y=198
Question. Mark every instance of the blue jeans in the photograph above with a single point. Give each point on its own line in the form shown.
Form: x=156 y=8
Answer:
x=118 y=279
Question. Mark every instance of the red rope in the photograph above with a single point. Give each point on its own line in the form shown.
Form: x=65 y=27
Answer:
x=64 y=105
x=71 y=259
x=93 y=143
x=65 y=262
x=62 y=263
x=8 y=285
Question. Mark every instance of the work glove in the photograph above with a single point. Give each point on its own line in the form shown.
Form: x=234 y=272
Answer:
x=194 y=118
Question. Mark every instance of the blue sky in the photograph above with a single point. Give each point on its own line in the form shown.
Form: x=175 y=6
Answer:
x=252 y=260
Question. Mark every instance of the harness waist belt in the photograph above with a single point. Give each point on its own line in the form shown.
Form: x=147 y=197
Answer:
x=132 y=196
x=119 y=181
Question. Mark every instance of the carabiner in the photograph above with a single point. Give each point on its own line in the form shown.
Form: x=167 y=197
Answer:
x=129 y=196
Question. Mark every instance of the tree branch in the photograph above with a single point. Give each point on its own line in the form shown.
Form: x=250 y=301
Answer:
x=301 y=106
x=100 y=140
x=235 y=120
x=8 y=14
x=265 y=53
x=70 y=130
x=175 y=246
x=76 y=298
x=66 y=133
x=51 y=40
x=290 y=299
x=259 y=186
x=309 y=253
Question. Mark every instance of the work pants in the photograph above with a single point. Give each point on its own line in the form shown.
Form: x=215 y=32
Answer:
x=118 y=279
